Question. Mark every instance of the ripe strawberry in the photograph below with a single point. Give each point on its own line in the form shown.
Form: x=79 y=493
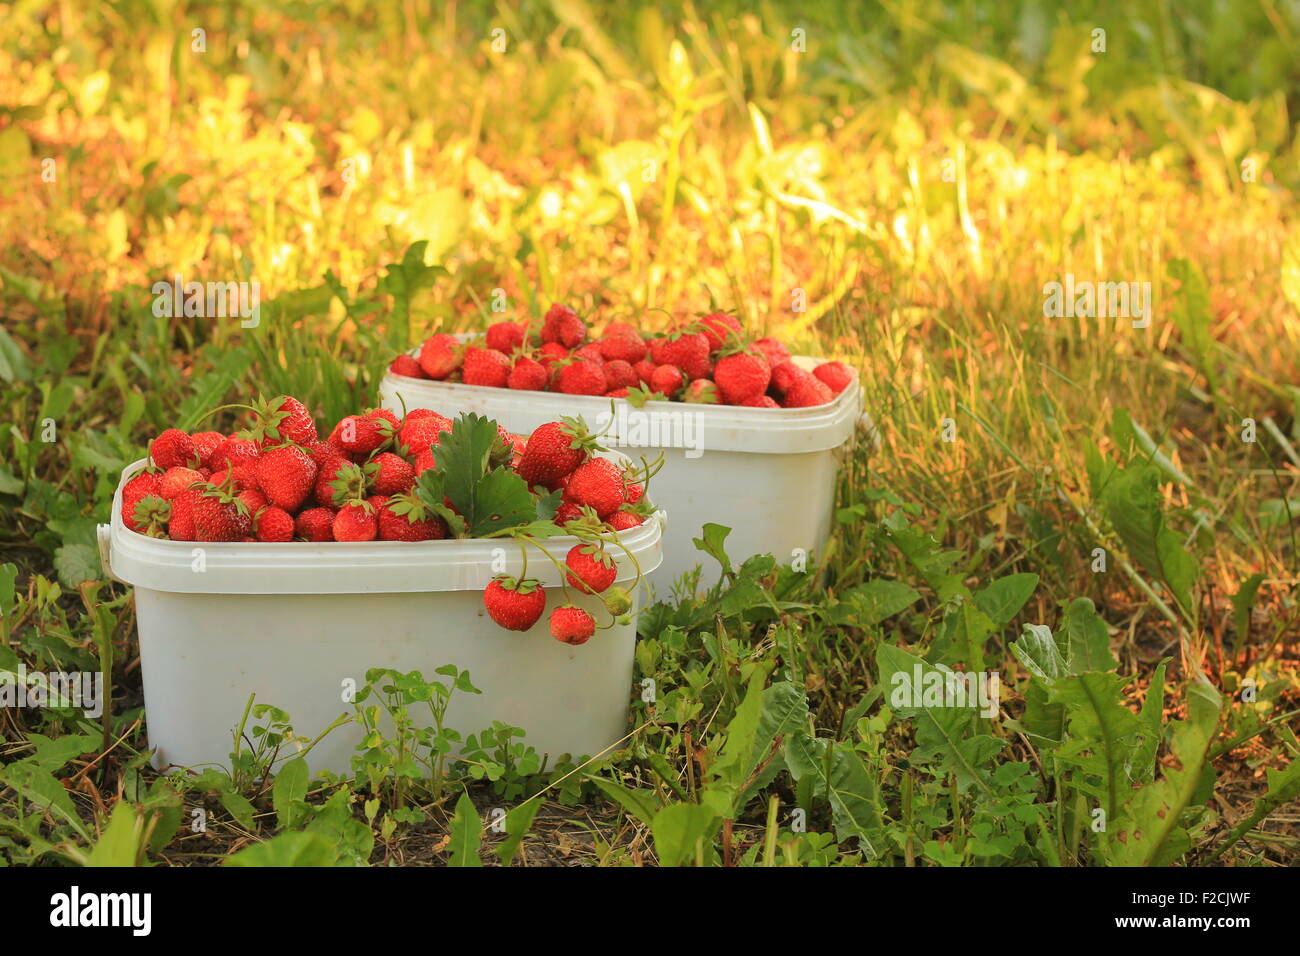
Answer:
x=273 y=524
x=622 y=347
x=786 y=374
x=718 y=327
x=417 y=434
x=418 y=413
x=761 y=401
x=220 y=516
x=240 y=477
x=283 y=419
x=619 y=374
x=514 y=605
x=286 y=475
x=315 y=524
x=356 y=521
x=645 y=370
x=620 y=328
x=151 y=516
x=701 y=391
x=590 y=352
x=581 y=378
x=254 y=501
x=667 y=380
x=689 y=351
x=591 y=570
x=624 y=520
x=618 y=392
x=528 y=375
x=552 y=352
x=597 y=484
x=233 y=451
x=634 y=492
x=486 y=367
x=362 y=434
x=180 y=527
x=572 y=625
x=403 y=517
x=339 y=480
x=505 y=336
x=563 y=325
x=172 y=448
x=205 y=443
x=391 y=474
x=407 y=365
x=566 y=512
x=741 y=376
x=440 y=355
x=806 y=392
x=142 y=486
x=553 y=450
x=773 y=351
x=175 y=480
x=834 y=375
x=424 y=461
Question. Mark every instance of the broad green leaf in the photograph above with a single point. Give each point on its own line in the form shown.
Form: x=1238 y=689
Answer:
x=466 y=834
x=1242 y=602
x=877 y=600
x=289 y=792
x=638 y=803
x=296 y=848
x=518 y=822
x=1085 y=640
x=76 y=563
x=847 y=786
x=713 y=544
x=1103 y=734
x=1003 y=599
x=678 y=828
x=120 y=843
x=1192 y=314
x=14 y=366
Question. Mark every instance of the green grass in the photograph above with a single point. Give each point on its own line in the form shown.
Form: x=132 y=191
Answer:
x=913 y=179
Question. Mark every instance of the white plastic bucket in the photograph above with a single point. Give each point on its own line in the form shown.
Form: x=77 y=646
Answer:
x=767 y=474
x=299 y=623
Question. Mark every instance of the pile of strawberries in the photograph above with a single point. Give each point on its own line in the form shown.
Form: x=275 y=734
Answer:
x=378 y=477
x=708 y=361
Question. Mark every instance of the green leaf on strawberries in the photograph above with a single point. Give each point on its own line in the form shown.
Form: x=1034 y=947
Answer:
x=429 y=489
x=487 y=499
x=501 y=499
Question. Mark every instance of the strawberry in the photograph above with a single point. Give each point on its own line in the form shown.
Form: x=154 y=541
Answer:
x=283 y=419
x=667 y=380
x=617 y=601
x=773 y=351
x=239 y=477
x=786 y=374
x=645 y=370
x=718 y=327
x=622 y=347
x=514 y=605
x=505 y=336
x=761 y=401
x=205 y=443
x=618 y=392
x=581 y=378
x=591 y=570
x=424 y=461
x=219 y=515
x=415 y=414
x=253 y=500
x=701 y=391
x=407 y=365
x=286 y=475
x=338 y=481
x=563 y=325
x=834 y=375
x=554 y=450
x=572 y=625
x=619 y=374
x=486 y=367
x=552 y=352
x=597 y=484
x=566 y=512
x=440 y=355
x=403 y=517
x=806 y=392
x=175 y=480
x=528 y=375
x=233 y=451
x=620 y=328
x=590 y=352
x=172 y=448
x=356 y=521
x=634 y=492
x=741 y=376
x=417 y=434
x=151 y=516
x=392 y=474
x=362 y=434
x=689 y=351
x=273 y=524
x=143 y=485
x=180 y=527
x=624 y=520
x=315 y=524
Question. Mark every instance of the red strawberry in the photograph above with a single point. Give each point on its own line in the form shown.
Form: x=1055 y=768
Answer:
x=581 y=378
x=273 y=524
x=590 y=352
x=566 y=512
x=718 y=327
x=175 y=480
x=172 y=448
x=254 y=501
x=362 y=434
x=315 y=524
x=773 y=351
x=233 y=451
x=205 y=443
x=702 y=391
x=356 y=521
x=424 y=461
x=151 y=516
x=404 y=517
x=622 y=347
x=619 y=374
x=624 y=520
x=761 y=401
x=572 y=625
x=417 y=434
x=563 y=325
x=440 y=355
x=618 y=392
x=407 y=365
x=591 y=570
x=514 y=605
x=552 y=352
x=689 y=351
x=239 y=477
x=553 y=450
x=597 y=484
x=645 y=370
x=786 y=374
x=220 y=516
x=286 y=475
x=391 y=474
x=486 y=367
x=806 y=392
x=505 y=336
x=834 y=375
x=667 y=380
x=418 y=413
x=283 y=419
x=741 y=376
x=142 y=486
x=180 y=527
x=338 y=481
x=634 y=492
x=618 y=327
x=528 y=375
